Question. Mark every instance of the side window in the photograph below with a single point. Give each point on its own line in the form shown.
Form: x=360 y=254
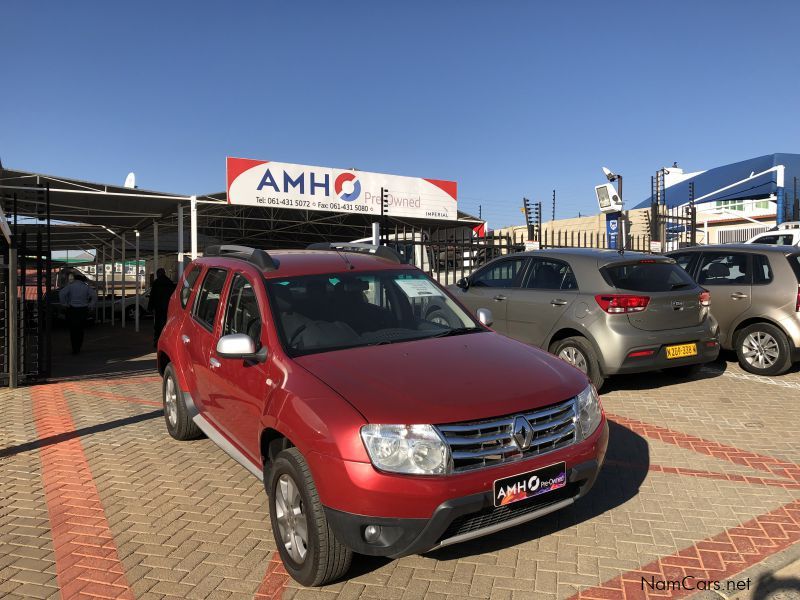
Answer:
x=762 y=273
x=242 y=314
x=188 y=285
x=684 y=260
x=721 y=268
x=207 y=301
x=784 y=239
x=551 y=275
x=503 y=274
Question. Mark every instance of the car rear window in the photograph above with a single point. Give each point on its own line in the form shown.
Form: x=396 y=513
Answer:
x=648 y=277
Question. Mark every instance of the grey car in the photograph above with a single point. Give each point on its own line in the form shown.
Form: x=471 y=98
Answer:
x=755 y=297
x=604 y=312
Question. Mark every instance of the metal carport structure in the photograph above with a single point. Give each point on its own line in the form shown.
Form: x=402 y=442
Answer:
x=49 y=213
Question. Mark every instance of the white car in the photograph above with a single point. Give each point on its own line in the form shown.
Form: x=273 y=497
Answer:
x=785 y=234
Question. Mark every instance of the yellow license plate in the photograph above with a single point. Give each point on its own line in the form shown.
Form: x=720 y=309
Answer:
x=681 y=350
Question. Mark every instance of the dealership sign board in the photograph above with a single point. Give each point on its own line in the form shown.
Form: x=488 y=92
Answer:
x=302 y=187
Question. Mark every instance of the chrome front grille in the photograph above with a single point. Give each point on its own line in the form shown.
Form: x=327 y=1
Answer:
x=487 y=443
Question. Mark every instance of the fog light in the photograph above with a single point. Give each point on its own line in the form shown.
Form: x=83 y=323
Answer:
x=372 y=533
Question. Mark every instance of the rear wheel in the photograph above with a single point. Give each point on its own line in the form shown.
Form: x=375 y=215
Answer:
x=179 y=424
x=763 y=349
x=578 y=352
x=308 y=547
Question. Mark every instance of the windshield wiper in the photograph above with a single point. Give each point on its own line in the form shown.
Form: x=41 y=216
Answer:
x=675 y=286
x=457 y=331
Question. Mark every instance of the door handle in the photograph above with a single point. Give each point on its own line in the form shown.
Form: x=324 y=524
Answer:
x=558 y=302
x=185 y=339
x=738 y=296
x=500 y=298
x=214 y=363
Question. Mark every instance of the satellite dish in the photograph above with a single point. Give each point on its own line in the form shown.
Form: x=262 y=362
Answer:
x=130 y=180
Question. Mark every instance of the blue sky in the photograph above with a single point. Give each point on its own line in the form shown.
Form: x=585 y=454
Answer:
x=510 y=99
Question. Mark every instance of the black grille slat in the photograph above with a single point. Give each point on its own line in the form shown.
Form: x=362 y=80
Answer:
x=486 y=443
x=495 y=515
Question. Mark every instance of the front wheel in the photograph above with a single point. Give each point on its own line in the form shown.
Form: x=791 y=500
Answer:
x=763 y=349
x=306 y=543
x=578 y=352
x=179 y=423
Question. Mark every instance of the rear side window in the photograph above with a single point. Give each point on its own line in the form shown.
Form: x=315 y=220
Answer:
x=207 y=302
x=795 y=262
x=722 y=268
x=188 y=285
x=762 y=273
x=504 y=274
x=782 y=239
x=648 y=277
x=547 y=274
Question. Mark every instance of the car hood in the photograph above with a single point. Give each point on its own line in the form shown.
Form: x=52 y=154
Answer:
x=445 y=380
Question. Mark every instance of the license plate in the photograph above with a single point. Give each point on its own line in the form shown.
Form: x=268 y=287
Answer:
x=527 y=485
x=681 y=350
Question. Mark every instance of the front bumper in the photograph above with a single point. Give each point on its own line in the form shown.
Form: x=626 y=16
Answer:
x=461 y=519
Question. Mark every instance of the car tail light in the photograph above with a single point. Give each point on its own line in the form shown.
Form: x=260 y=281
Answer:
x=641 y=353
x=705 y=298
x=797 y=304
x=622 y=303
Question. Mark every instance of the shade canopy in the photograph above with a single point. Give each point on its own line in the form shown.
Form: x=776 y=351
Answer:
x=755 y=178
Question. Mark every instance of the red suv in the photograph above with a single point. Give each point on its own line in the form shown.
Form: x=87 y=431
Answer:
x=376 y=426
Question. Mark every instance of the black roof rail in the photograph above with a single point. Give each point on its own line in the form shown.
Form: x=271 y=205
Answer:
x=258 y=257
x=381 y=251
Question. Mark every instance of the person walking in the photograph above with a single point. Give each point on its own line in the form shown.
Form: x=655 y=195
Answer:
x=78 y=298
x=160 y=293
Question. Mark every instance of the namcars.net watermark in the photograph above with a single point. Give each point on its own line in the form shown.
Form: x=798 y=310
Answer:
x=692 y=583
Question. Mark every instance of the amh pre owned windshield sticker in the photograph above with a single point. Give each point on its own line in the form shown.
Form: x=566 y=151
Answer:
x=418 y=288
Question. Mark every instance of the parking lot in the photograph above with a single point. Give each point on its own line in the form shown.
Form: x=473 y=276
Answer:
x=702 y=479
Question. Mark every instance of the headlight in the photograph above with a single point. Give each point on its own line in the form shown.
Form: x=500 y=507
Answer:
x=588 y=412
x=411 y=449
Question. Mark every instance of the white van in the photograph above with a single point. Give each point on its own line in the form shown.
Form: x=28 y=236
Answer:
x=785 y=234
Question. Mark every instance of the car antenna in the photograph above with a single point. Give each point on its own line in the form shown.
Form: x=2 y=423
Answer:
x=346 y=260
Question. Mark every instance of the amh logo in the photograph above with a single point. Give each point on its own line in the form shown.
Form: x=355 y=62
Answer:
x=347 y=187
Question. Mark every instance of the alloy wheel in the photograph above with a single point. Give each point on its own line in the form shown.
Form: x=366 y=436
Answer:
x=574 y=357
x=171 y=401
x=760 y=350
x=291 y=517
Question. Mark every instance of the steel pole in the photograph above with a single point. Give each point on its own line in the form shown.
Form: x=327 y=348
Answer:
x=124 y=280
x=180 y=240
x=113 y=279
x=136 y=288
x=193 y=226
x=13 y=326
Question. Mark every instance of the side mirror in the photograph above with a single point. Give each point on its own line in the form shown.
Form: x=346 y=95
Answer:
x=463 y=283
x=485 y=316
x=240 y=345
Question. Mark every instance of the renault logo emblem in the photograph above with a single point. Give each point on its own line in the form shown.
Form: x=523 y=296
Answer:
x=522 y=433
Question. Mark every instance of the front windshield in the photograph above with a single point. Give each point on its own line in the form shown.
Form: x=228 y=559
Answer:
x=318 y=313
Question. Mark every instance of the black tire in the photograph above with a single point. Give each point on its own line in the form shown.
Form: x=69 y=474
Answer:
x=765 y=341
x=584 y=354
x=179 y=425
x=685 y=371
x=325 y=559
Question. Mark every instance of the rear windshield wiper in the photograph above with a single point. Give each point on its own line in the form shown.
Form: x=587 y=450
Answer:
x=457 y=331
x=675 y=286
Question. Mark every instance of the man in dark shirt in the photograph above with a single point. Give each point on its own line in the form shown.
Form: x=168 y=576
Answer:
x=160 y=293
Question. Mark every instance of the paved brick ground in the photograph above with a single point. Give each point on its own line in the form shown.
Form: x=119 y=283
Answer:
x=702 y=480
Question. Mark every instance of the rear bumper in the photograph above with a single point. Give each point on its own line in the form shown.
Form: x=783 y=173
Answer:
x=463 y=518
x=707 y=351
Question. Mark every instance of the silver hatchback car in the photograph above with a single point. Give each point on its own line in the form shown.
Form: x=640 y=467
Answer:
x=755 y=296
x=604 y=312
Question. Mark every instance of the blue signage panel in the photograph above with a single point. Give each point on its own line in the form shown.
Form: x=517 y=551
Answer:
x=612 y=229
